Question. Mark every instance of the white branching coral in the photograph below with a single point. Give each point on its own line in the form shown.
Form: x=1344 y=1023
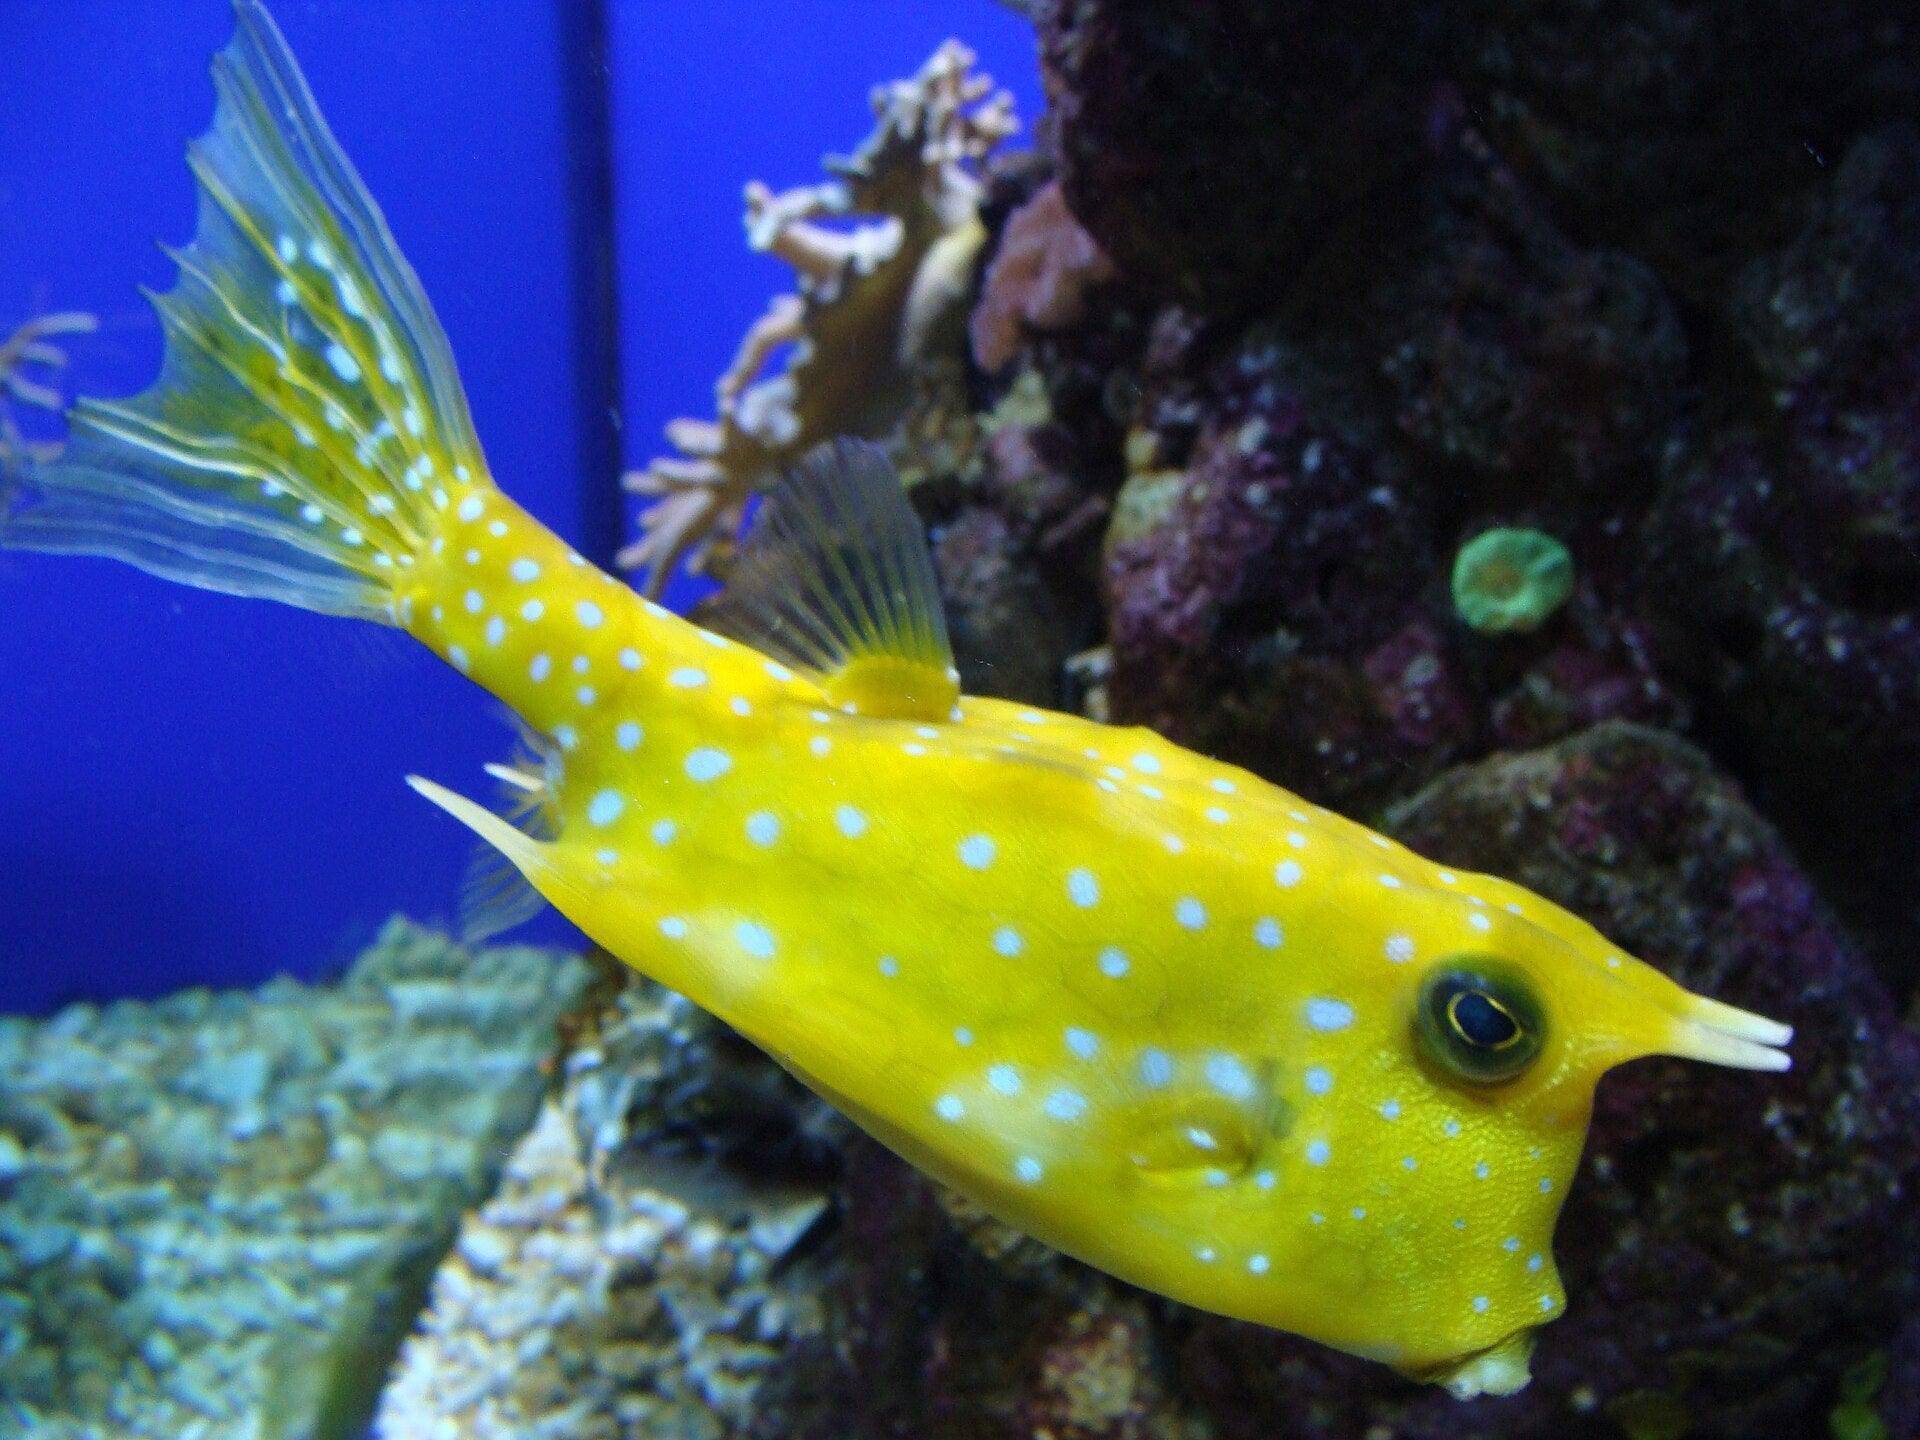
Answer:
x=29 y=348
x=874 y=304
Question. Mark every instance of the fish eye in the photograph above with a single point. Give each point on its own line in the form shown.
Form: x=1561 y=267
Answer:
x=1480 y=1021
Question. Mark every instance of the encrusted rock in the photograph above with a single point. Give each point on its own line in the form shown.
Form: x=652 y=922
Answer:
x=217 y=1210
x=642 y=1269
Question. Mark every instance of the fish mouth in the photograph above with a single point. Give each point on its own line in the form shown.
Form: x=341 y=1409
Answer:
x=1722 y=1034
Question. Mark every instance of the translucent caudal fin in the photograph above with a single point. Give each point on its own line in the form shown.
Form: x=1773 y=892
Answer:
x=307 y=426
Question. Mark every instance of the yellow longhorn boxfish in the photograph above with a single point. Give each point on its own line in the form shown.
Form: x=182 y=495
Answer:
x=1151 y=1009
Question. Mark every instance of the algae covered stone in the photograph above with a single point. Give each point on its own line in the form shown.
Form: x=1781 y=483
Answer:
x=642 y=1269
x=1506 y=580
x=218 y=1210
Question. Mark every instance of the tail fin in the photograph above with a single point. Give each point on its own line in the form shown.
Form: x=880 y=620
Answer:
x=308 y=421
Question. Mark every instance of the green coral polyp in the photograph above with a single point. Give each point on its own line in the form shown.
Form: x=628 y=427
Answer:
x=1508 y=580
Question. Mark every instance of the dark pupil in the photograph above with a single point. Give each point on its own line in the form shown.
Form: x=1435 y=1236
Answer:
x=1481 y=1022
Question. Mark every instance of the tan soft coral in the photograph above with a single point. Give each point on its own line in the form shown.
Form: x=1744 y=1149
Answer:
x=32 y=345
x=1039 y=279
x=873 y=306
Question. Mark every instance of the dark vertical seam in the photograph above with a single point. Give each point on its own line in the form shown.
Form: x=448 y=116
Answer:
x=587 y=119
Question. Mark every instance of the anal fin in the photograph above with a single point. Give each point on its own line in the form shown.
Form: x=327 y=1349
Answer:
x=499 y=891
x=836 y=580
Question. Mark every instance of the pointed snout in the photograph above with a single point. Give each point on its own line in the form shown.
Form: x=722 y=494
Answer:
x=1723 y=1034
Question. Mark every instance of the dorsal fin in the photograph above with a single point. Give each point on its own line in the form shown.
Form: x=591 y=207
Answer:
x=836 y=580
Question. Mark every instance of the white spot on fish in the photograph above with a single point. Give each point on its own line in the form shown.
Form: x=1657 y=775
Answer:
x=605 y=807
x=1065 y=1105
x=755 y=939
x=1258 y=1264
x=1399 y=948
x=1327 y=1014
x=1004 y=1079
x=524 y=570
x=1083 y=888
x=976 y=852
x=627 y=735
x=706 y=763
x=1083 y=1043
x=344 y=365
x=1114 y=962
x=673 y=927
x=1146 y=764
x=664 y=831
x=1318 y=1152
x=1318 y=1079
x=1191 y=914
x=687 y=677
x=1231 y=1078
x=950 y=1107
x=629 y=659
x=1287 y=874
x=1479 y=921
x=1007 y=941
x=763 y=828
x=540 y=667
x=1027 y=1170
x=1267 y=932
x=533 y=610
x=588 y=614
x=472 y=508
x=1156 y=1069
x=852 y=823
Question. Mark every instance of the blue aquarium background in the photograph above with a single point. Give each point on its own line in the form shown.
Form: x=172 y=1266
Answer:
x=201 y=790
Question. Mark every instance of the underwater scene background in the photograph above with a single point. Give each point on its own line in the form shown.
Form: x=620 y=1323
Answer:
x=1497 y=424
